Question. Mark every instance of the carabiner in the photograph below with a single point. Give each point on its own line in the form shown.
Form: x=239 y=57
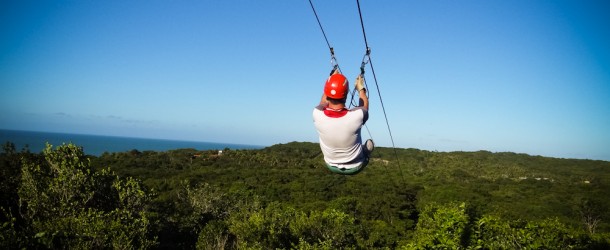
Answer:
x=333 y=60
x=365 y=60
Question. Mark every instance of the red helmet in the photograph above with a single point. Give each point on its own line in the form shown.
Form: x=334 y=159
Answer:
x=336 y=86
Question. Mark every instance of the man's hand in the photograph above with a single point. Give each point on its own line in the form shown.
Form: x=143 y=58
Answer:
x=359 y=83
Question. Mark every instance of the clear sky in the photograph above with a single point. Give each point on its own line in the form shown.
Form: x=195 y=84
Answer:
x=526 y=76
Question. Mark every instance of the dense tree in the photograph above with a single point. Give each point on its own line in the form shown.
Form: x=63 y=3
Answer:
x=284 y=197
x=64 y=204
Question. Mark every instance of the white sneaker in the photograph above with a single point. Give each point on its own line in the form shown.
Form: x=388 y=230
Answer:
x=370 y=145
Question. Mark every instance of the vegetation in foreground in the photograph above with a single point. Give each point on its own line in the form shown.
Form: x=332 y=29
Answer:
x=282 y=197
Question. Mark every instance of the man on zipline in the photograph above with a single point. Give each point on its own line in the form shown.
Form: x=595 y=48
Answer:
x=339 y=127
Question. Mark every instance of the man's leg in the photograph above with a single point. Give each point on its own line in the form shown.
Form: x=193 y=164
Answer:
x=369 y=146
x=348 y=171
x=368 y=149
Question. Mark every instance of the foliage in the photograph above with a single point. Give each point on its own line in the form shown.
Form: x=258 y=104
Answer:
x=441 y=227
x=450 y=227
x=494 y=233
x=9 y=236
x=283 y=197
x=63 y=203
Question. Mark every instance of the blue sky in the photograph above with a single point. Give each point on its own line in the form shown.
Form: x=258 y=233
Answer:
x=522 y=76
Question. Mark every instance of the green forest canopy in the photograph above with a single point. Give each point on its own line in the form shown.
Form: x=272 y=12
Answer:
x=283 y=197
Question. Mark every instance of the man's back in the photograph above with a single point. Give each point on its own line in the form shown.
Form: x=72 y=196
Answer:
x=339 y=131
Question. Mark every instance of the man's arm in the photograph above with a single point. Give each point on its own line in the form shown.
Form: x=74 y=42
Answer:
x=364 y=100
x=324 y=102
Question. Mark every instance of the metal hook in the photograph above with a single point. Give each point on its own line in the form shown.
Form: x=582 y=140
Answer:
x=365 y=60
x=333 y=60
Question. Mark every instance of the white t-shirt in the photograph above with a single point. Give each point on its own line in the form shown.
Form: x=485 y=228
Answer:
x=339 y=131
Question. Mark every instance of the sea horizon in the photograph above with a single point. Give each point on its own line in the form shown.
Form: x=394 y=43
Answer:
x=96 y=145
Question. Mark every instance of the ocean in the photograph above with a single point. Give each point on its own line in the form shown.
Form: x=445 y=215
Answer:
x=97 y=144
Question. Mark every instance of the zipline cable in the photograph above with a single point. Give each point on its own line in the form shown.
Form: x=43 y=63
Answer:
x=362 y=25
x=320 y=24
x=370 y=62
x=333 y=60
